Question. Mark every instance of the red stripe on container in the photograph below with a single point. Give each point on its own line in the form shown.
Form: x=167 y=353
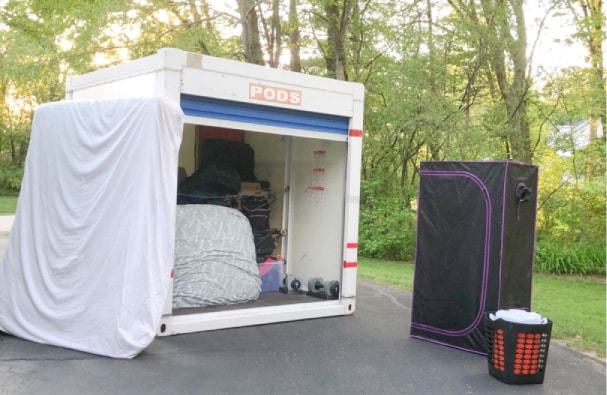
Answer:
x=350 y=264
x=352 y=245
x=355 y=133
x=318 y=188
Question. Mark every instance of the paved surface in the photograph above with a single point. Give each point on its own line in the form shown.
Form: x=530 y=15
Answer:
x=6 y=222
x=367 y=353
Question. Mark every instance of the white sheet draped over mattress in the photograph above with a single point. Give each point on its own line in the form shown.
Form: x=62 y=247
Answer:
x=214 y=257
x=91 y=250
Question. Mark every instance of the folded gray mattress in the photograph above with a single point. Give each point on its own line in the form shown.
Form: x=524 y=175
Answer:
x=214 y=257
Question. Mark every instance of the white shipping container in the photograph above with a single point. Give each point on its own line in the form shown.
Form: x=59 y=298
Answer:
x=306 y=132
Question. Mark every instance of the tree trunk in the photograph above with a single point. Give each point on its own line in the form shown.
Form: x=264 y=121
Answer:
x=276 y=35
x=508 y=61
x=338 y=22
x=294 y=45
x=435 y=132
x=249 y=21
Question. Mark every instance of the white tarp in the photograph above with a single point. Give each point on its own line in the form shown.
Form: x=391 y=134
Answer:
x=214 y=257
x=91 y=250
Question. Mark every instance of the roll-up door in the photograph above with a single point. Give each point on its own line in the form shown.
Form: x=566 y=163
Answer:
x=205 y=107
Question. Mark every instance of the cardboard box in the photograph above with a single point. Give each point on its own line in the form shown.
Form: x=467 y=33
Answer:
x=250 y=188
x=271 y=274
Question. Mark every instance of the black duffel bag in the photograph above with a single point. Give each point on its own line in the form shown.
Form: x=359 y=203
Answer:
x=220 y=179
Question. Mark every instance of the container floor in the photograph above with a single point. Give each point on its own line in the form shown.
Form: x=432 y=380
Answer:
x=265 y=299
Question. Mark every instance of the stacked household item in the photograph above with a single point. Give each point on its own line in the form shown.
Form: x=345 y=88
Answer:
x=255 y=205
x=224 y=165
x=256 y=208
x=227 y=178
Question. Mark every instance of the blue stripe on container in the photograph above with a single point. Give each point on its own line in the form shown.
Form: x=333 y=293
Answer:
x=200 y=106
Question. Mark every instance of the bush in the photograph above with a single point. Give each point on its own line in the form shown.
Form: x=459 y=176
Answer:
x=553 y=256
x=10 y=177
x=387 y=234
x=387 y=224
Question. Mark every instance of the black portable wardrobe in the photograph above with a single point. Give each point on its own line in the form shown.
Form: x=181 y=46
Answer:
x=475 y=248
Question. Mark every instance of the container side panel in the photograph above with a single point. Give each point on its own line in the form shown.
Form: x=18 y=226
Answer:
x=352 y=200
x=351 y=215
x=168 y=84
x=138 y=67
x=317 y=208
x=141 y=85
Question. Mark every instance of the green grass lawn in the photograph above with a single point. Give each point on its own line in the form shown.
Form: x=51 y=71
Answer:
x=8 y=204
x=576 y=305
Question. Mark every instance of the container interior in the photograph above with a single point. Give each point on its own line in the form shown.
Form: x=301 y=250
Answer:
x=303 y=180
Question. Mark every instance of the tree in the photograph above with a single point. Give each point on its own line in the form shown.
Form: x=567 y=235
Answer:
x=498 y=35
x=41 y=41
x=590 y=21
x=572 y=205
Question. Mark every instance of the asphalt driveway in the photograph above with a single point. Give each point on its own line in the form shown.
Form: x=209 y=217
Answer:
x=367 y=353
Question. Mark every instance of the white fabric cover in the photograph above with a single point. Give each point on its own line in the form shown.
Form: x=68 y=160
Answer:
x=91 y=250
x=518 y=316
x=214 y=257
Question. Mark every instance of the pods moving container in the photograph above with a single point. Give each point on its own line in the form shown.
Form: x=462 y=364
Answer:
x=305 y=133
x=475 y=248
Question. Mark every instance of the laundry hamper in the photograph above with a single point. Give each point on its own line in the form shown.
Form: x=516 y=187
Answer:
x=517 y=353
